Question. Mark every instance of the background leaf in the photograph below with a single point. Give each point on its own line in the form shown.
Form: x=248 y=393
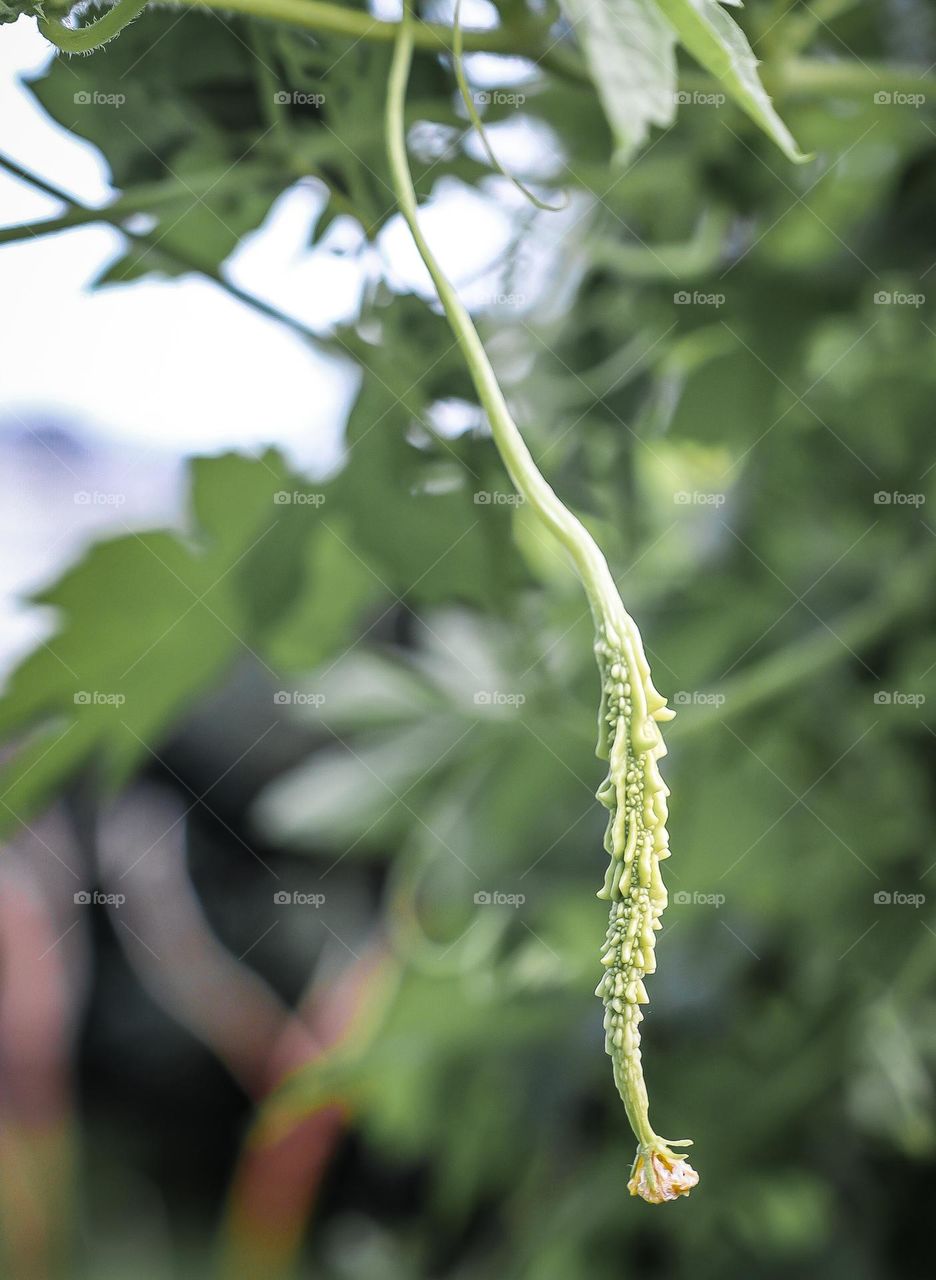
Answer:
x=630 y=51
x=717 y=43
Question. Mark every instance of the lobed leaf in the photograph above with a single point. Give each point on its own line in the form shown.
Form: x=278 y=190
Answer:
x=717 y=42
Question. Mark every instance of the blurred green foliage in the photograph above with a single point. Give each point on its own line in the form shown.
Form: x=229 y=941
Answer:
x=728 y=370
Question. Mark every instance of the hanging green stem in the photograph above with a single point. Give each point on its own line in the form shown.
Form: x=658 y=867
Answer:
x=86 y=39
x=458 y=65
x=631 y=709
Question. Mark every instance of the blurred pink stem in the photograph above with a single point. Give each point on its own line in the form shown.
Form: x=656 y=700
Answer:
x=170 y=944
x=41 y=982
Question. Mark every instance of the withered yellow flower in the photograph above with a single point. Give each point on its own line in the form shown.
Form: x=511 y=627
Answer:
x=659 y=1176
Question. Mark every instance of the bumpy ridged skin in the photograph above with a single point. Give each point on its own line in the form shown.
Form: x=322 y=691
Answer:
x=637 y=842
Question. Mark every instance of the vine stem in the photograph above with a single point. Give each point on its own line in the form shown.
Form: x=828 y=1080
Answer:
x=461 y=79
x=78 y=214
x=530 y=39
x=526 y=476
x=88 y=38
x=789 y=77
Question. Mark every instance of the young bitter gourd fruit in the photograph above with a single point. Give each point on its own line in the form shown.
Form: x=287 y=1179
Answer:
x=631 y=709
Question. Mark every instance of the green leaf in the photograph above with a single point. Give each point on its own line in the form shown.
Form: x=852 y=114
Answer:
x=404 y=479
x=148 y=622
x=10 y=12
x=173 y=107
x=137 y=643
x=336 y=587
x=366 y=689
x=630 y=54
x=350 y=797
x=717 y=42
